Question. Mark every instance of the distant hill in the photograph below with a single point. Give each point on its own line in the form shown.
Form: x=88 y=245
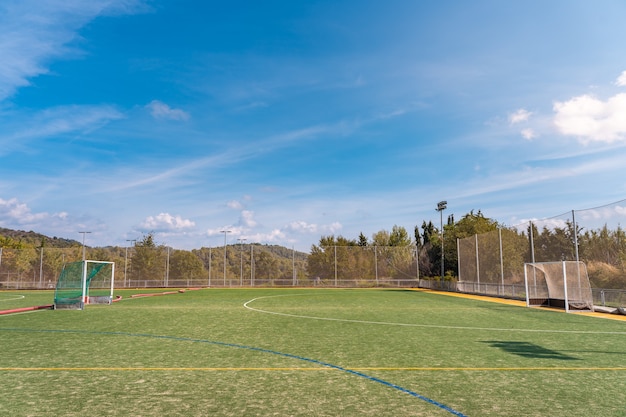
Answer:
x=10 y=237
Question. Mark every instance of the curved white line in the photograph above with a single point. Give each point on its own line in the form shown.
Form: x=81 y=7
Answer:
x=432 y=326
x=18 y=297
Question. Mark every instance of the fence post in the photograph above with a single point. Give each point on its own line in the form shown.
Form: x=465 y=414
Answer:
x=532 y=242
x=335 y=265
x=376 y=263
x=40 y=266
x=477 y=263
x=501 y=257
x=293 y=264
x=575 y=235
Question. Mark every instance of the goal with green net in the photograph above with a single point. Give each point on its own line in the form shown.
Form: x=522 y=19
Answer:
x=84 y=282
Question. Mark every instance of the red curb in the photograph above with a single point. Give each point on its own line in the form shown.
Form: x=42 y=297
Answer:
x=23 y=309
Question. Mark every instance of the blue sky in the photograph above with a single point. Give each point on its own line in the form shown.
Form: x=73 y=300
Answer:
x=284 y=121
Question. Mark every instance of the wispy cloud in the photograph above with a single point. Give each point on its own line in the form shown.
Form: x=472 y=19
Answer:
x=19 y=130
x=160 y=110
x=35 y=32
x=518 y=116
x=621 y=80
x=528 y=134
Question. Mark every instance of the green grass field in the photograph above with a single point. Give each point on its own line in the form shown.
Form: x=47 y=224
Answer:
x=304 y=352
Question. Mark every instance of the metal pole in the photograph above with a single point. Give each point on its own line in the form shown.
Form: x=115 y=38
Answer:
x=210 y=259
x=458 y=260
x=335 y=265
x=126 y=259
x=225 y=232
x=442 y=248
x=376 y=263
x=501 y=257
x=251 y=265
x=125 y=264
x=575 y=235
x=241 y=240
x=167 y=268
x=84 y=233
x=477 y=262
x=293 y=264
x=441 y=206
x=417 y=263
x=41 y=267
x=532 y=242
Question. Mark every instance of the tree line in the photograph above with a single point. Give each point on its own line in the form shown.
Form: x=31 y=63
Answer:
x=603 y=250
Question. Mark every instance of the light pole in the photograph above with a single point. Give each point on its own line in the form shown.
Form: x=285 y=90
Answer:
x=84 y=233
x=441 y=206
x=241 y=240
x=225 y=232
x=126 y=258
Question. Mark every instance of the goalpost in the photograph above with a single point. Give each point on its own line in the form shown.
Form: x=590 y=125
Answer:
x=84 y=282
x=558 y=284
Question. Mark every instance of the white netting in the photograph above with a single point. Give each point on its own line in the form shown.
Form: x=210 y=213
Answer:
x=558 y=284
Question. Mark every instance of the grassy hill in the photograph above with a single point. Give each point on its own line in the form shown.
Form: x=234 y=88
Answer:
x=10 y=238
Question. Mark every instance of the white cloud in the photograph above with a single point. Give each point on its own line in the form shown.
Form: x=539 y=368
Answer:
x=166 y=222
x=247 y=219
x=528 y=134
x=160 y=110
x=16 y=214
x=312 y=228
x=621 y=80
x=521 y=115
x=234 y=204
x=591 y=119
x=302 y=227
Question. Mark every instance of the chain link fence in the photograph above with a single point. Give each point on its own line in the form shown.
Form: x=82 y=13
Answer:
x=493 y=263
x=237 y=266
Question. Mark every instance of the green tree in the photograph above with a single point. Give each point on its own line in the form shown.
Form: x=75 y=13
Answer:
x=184 y=265
x=148 y=259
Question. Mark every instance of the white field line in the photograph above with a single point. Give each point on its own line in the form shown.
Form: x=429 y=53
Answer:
x=14 y=297
x=432 y=326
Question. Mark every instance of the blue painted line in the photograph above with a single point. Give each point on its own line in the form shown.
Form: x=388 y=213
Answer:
x=257 y=349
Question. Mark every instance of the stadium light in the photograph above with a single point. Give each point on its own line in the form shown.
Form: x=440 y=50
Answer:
x=441 y=206
x=84 y=233
x=225 y=233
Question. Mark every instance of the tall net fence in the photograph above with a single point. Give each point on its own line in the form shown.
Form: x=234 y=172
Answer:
x=493 y=263
x=233 y=266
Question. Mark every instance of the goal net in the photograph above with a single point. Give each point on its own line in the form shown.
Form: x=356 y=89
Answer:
x=84 y=282
x=558 y=284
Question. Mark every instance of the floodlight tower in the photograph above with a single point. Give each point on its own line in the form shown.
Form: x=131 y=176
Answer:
x=441 y=206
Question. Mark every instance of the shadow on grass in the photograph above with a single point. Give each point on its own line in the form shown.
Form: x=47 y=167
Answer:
x=529 y=350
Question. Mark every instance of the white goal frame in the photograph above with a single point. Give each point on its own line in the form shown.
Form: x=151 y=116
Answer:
x=86 y=290
x=74 y=285
x=546 y=284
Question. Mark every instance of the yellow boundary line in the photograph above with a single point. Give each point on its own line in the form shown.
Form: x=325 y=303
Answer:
x=519 y=303
x=292 y=369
